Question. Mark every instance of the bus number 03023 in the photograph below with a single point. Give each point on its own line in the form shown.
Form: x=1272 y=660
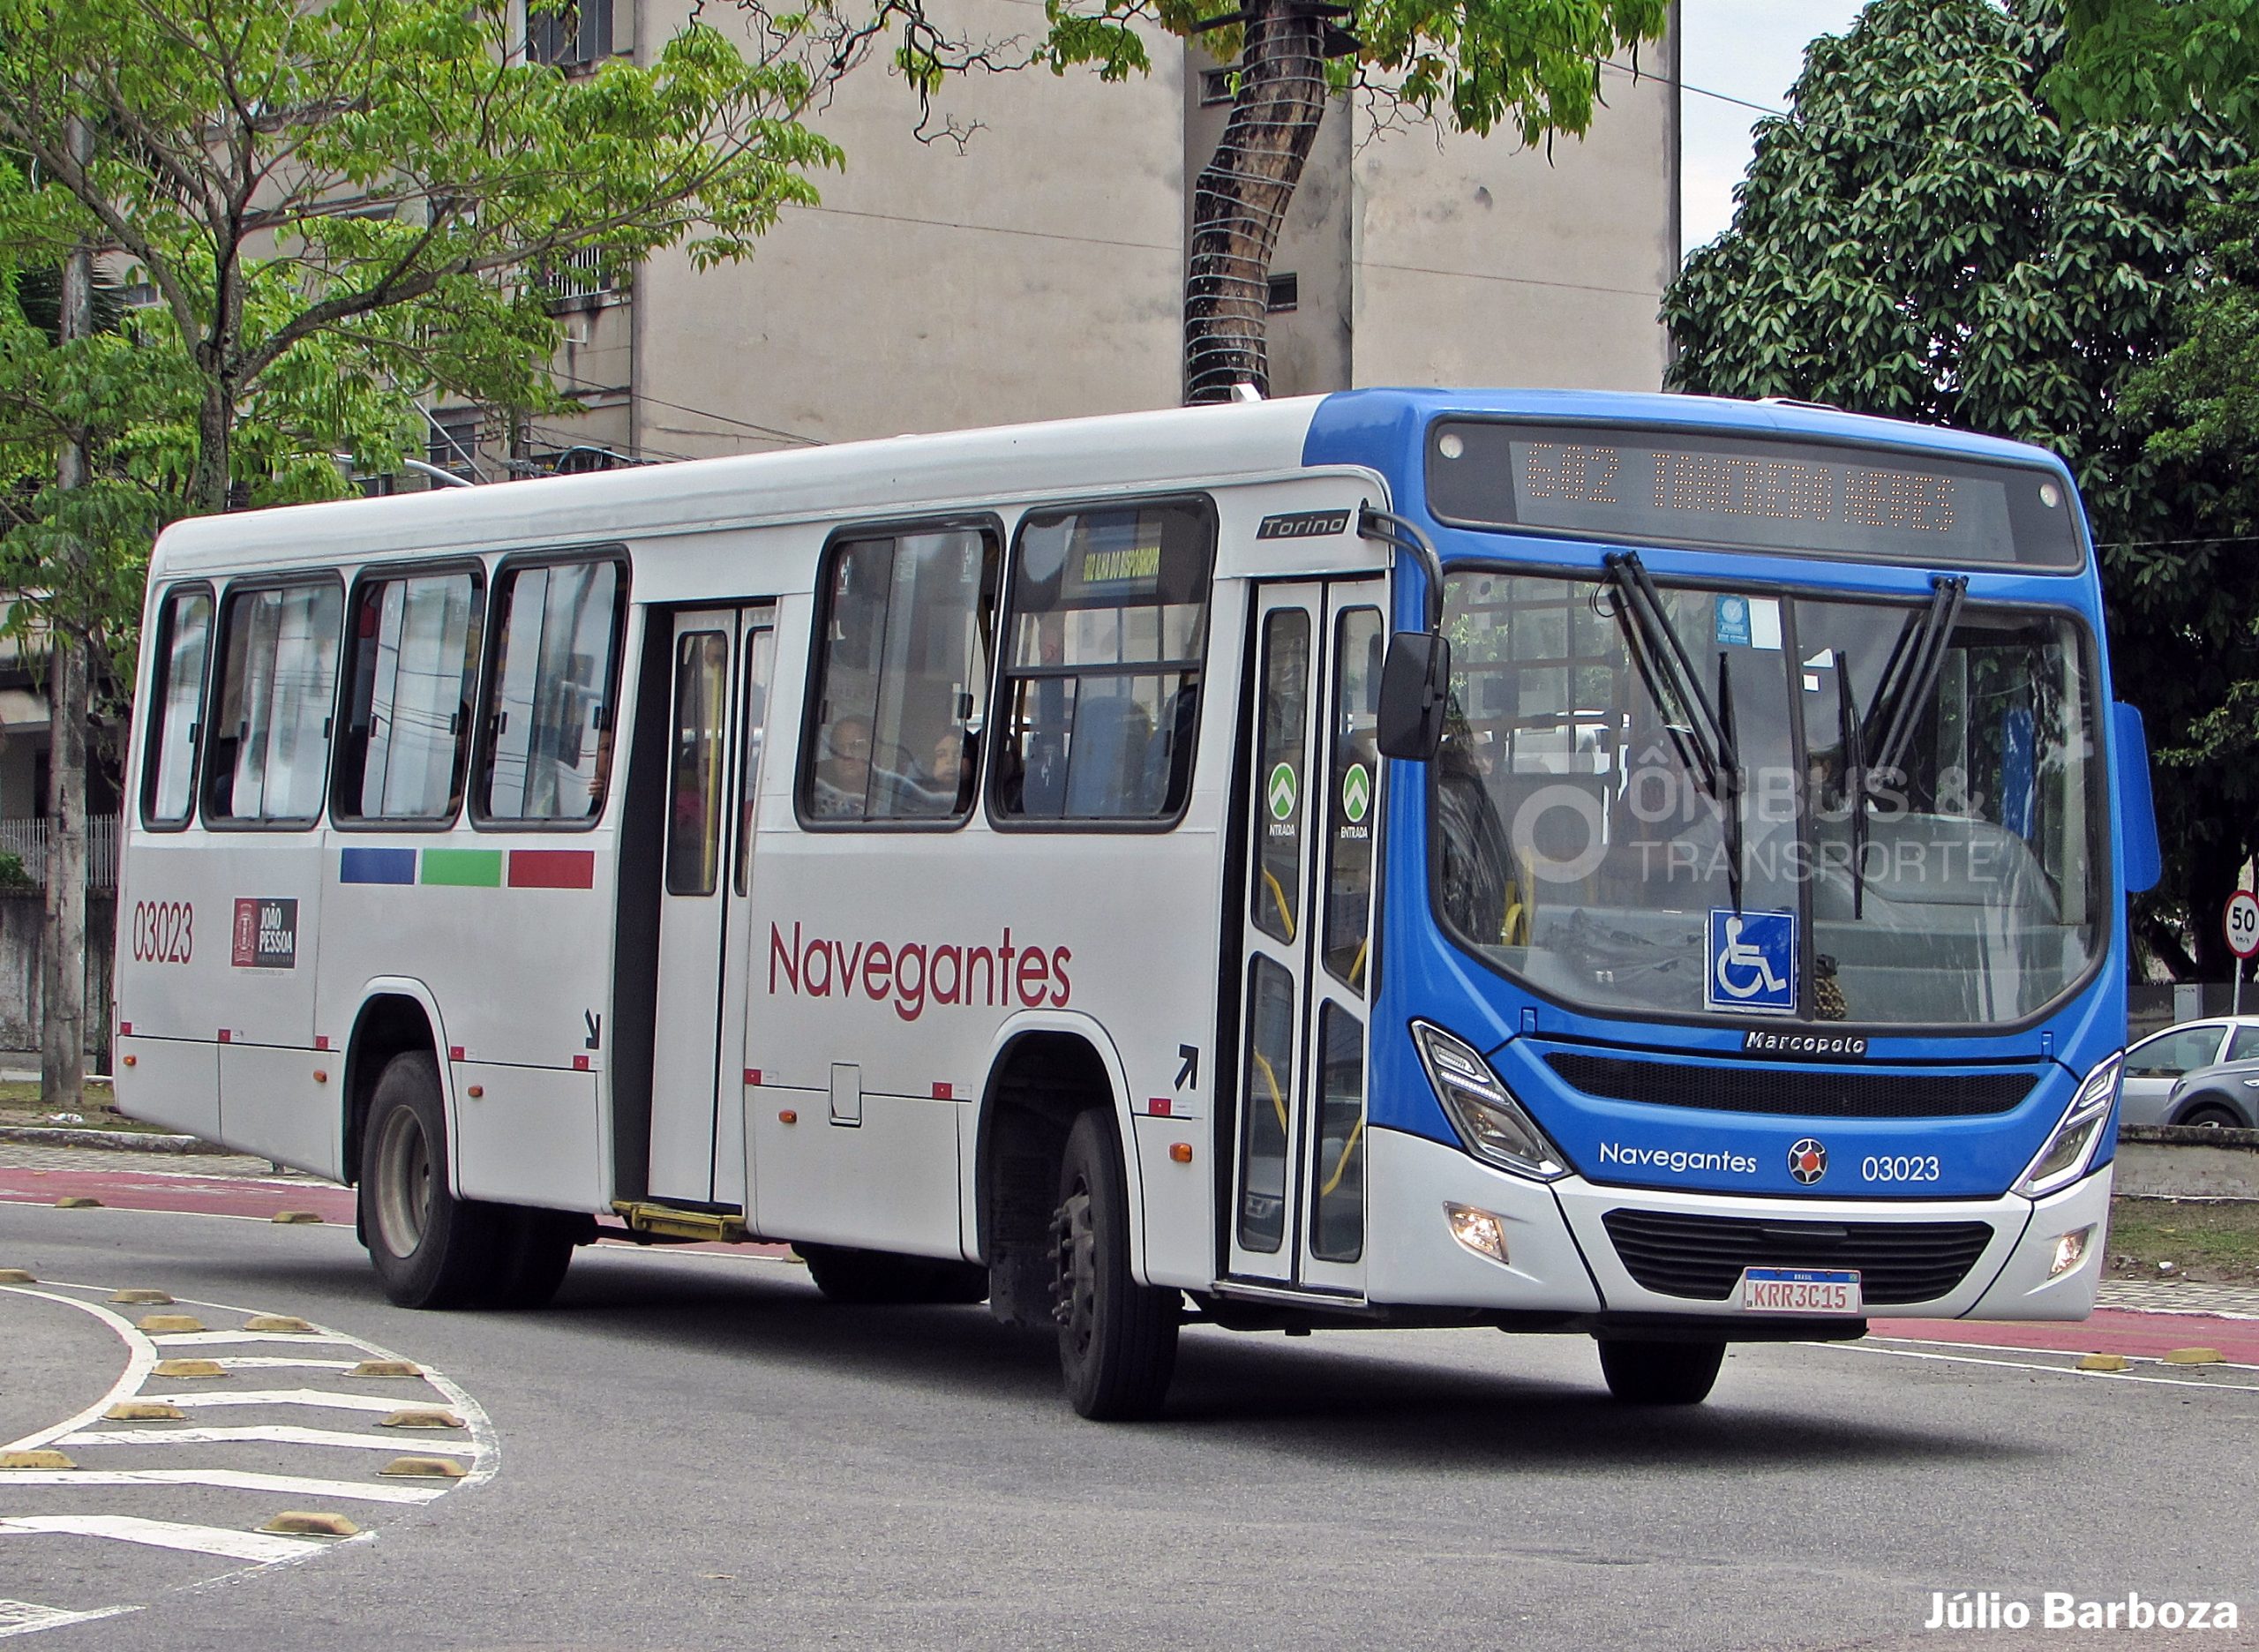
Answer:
x=1922 y=1169
x=164 y=932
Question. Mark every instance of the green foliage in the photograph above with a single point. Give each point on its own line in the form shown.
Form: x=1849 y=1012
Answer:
x=1925 y=238
x=2156 y=59
x=13 y=875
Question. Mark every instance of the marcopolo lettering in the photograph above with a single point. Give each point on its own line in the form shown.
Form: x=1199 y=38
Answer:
x=1803 y=1043
x=915 y=973
x=1303 y=525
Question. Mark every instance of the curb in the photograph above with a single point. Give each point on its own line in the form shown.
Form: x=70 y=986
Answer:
x=116 y=1141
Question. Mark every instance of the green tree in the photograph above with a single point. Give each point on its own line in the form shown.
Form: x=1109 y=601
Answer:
x=1924 y=237
x=2151 y=59
x=1472 y=65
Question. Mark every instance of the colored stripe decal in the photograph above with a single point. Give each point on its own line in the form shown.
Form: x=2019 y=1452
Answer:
x=376 y=866
x=464 y=868
x=552 y=868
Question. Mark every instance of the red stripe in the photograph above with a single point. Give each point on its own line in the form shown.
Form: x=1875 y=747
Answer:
x=552 y=868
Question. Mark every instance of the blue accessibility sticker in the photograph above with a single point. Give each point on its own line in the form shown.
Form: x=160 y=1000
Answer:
x=1752 y=962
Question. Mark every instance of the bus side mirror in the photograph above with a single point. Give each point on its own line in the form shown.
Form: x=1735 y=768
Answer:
x=2129 y=767
x=1414 y=689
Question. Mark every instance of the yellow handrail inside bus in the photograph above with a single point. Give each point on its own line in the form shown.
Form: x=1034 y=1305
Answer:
x=1341 y=1164
x=1278 y=1102
x=1279 y=895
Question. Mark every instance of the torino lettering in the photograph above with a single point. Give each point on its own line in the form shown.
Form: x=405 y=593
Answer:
x=915 y=973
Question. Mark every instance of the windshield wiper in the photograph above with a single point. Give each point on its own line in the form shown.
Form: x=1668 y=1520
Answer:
x=1910 y=677
x=1705 y=734
x=1854 y=788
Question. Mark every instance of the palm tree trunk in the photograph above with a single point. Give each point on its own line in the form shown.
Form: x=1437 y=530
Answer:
x=1240 y=200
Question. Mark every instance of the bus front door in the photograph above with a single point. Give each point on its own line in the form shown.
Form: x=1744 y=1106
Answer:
x=1313 y=808
x=721 y=675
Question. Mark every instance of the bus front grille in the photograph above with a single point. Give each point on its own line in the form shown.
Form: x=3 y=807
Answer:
x=1807 y=1092
x=1700 y=1258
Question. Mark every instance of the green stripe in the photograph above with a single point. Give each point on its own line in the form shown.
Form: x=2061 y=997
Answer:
x=467 y=868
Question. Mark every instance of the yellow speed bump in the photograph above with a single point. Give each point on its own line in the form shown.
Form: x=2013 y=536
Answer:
x=78 y=1201
x=295 y=1216
x=35 y=1459
x=2102 y=1362
x=18 y=1276
x=2193 y=1356
x=275 y=1322
x=422 y=1419
x=189 y=1368
x=424 y=1468
x=386 y=1368
x=305 y=1523
x=159 y=1324
x=141 y=1297
x=144 y=1411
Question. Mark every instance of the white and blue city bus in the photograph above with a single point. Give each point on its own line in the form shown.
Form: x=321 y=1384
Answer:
x=1633 y=865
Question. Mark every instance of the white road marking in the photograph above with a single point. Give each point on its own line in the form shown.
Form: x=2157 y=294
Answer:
x=262 y=1361
x=24 y=1618
x=211 y=1540
x=206 y=1339
x=228 y=1479
x=279 y=1396
x=272 y=1434
x=2010 y=1348
x=2059 y=1370
x=139 y=1357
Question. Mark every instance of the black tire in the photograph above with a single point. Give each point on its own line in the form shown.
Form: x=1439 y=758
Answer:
x=1117 y=1339
x=431 y=1248
x=537 y=1248
x=2211 y=1115
x=844 y=1275
x=1660 y=1373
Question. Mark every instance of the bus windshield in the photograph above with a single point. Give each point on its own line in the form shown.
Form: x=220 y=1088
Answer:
x=1912 y=785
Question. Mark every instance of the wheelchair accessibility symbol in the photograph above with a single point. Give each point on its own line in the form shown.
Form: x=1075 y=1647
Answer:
x=1752 y=962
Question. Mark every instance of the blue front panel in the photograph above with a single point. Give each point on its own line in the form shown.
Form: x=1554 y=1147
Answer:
x=1424 y=975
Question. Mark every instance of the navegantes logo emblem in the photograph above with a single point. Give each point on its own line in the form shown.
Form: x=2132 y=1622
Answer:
x=1808 y=1161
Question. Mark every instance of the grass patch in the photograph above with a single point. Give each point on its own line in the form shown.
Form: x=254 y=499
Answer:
x=19 y=1104
x=2218 y=1244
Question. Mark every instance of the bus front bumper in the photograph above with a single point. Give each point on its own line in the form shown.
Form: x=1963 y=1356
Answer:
x=1577 y=1247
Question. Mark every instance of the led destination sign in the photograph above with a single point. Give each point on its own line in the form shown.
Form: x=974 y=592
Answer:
x=1745 y=493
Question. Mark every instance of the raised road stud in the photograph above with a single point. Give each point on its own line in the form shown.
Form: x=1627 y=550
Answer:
x=2102 y=1362
x=295 y=1216
x=18 y=1276
x=386 y=1368
x=2195 y=1356
x=78 y=1201
x=311 y=1523
x=276 y=1322
x=144 y=1411
x=35 y=1459
x=160 y=1324
x=141 y=1297
x=422 y=1420
x=189 y=1368
x=424 y=1468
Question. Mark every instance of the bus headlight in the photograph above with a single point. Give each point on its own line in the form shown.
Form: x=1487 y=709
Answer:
x=1488 y=1120
x=2065 y=1157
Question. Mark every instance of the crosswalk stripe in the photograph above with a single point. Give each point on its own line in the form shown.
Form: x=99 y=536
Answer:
x=211 y=1540
x=227 y=1479
x=26 y=1616
x=272 y=1434
x=281 y=1396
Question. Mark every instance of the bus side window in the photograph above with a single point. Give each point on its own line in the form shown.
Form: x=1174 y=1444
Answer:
x=1101 y=692
x=413 y=669
x=268 y=749
x=902 y=679
x=183 y=646
x=549 y=699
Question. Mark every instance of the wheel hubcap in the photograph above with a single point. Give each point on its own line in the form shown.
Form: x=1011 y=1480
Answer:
x=403 y=1173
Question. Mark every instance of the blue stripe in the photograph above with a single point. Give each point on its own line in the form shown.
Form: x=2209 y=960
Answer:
x=377 y=866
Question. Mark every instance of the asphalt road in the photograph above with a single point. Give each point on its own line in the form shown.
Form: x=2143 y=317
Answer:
x=694 y=1450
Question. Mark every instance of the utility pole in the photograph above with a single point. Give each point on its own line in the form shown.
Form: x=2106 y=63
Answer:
x=62 y=935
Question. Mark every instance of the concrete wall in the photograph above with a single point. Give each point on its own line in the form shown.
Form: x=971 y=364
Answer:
x=21 y=913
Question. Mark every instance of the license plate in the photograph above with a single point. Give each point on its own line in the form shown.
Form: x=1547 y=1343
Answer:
x=1799 y=1291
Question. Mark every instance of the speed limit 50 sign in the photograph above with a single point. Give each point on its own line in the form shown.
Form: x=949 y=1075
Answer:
x=2243 y=922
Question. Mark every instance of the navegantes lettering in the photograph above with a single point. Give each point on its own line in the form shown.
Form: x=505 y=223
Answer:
x=915 y=973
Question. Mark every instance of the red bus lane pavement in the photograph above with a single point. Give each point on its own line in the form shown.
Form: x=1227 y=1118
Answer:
x=249 y=1197
x=2136 y=1335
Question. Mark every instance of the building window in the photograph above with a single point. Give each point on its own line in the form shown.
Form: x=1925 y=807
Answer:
x=454 y=439
x=1101 y=689
x=573 y=274
x=413 y=670
x=902 y=678
x=1286 y=293
x=1216 y=87
x=268 y=746
x=184 y=644
x=569 y=34
x=549 y=700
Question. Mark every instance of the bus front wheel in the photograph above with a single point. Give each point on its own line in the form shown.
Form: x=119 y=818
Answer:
x=1660 y=1373
x=1117 y=1339
x=431 y=1248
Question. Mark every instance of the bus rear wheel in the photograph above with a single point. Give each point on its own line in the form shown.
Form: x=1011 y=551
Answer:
x=1660 y=1373
x=844 y=1275
x=1117 y=1339
x=431 y=1248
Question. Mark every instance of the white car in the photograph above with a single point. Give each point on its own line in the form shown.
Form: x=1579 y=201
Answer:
x=2163 y=1059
